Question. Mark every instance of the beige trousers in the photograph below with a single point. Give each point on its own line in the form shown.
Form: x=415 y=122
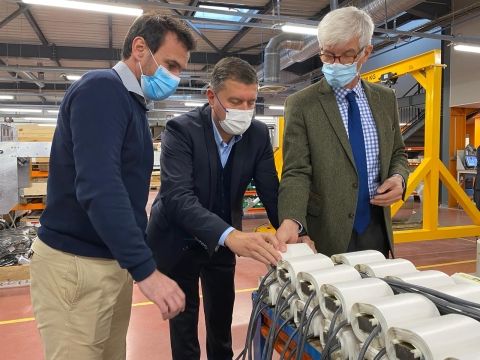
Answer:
x=82 y=305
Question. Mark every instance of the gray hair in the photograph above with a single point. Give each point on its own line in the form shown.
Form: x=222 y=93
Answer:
x=344 y=24
x=232 y=68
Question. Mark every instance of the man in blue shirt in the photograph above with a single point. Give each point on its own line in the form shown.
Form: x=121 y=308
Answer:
x=209 y=156
x=92 y=236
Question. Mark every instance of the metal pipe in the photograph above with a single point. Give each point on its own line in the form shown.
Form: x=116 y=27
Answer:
x=272 y=55
x=333 y=4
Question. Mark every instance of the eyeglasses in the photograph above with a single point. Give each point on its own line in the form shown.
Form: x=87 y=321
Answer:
x=345 y=59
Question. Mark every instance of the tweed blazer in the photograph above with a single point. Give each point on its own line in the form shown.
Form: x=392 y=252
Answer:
x=319 y=182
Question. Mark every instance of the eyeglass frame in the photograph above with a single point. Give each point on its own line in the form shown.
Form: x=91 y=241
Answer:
x=339 y=56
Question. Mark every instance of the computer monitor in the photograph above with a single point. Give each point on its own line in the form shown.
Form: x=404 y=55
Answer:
x=470 y=161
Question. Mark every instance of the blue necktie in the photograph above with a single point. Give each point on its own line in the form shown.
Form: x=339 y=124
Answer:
x=355 y=134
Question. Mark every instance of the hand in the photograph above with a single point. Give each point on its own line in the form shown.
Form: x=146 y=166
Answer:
x=389 y=192
x=262 y=247
x=306 y=239
x=165 y=293
x=287 y=233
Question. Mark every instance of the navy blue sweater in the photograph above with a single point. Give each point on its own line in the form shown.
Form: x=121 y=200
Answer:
x=100 y=166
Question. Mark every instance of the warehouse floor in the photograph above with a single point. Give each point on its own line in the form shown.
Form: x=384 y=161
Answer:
x=148 y=334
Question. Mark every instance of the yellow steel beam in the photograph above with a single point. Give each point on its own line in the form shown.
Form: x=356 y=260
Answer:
x=407 y=66
x=454 y=188
x=278 y=152
x=438 y=234
x=427 y=70
x=413 y=181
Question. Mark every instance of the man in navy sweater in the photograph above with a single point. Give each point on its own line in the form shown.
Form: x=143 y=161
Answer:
x=91 y=242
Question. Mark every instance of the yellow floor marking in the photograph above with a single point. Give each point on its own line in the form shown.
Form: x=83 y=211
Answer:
x=145 y=303
x=447 y=264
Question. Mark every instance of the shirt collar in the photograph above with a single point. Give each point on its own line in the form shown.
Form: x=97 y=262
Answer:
x=128 y=78
x=340 y=93
x=218 y=137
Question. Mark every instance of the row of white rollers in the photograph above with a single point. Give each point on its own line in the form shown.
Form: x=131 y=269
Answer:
x=411 y=325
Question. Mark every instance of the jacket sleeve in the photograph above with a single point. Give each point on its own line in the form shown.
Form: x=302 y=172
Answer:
x=266 y=179
x=98 y=125
x=398 y=162
x=297 y=169
x=181 y=204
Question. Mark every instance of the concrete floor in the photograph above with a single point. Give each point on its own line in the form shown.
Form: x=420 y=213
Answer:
x=148 y=336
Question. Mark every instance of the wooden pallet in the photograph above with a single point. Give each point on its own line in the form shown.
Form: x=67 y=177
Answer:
x=34 y=133
x=16 y=275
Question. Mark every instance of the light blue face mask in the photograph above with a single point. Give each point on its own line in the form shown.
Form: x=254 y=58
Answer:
x=339 y=75
x=160 y=85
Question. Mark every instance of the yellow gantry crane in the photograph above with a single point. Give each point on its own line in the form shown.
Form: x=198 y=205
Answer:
x=427 y=71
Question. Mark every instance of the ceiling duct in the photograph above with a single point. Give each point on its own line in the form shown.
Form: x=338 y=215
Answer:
x=271 y=73
x=379 y=10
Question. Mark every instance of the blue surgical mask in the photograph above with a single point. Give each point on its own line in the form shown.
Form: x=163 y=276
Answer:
x=160 y=85
x=339 y=75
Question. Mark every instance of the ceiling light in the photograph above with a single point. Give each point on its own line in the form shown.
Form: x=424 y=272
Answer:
x=6 y=97
x=73 y=77
x=467 y=48
x=78 y=5
x=175 y=115
x=53 y=111
x=276 y=107
x=39 y=119
x=264 y=118
x=300 y=29
x=193 y=104
x=15 y=110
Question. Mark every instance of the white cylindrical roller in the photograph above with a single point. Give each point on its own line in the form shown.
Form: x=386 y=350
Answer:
x=468 y=292
x=317 y=324
x=462 y=278
x=389 y=311
x=358 y=257
x=288 y=269
x=371 y=353
x=386 y=267
x=345 y=294
x=349 y=344
x=438 y=338
x=470 y=356
x=296 y=250
x=273 y=290
x=296 y=308
x=432 y=279
x=308 y=281
x=324 y=326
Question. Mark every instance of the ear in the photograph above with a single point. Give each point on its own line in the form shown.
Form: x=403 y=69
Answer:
x=139 y=49
x=368 y=50
x=210 y=96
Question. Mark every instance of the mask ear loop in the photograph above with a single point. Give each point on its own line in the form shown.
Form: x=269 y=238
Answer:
x=153 y=57
x=224 y=108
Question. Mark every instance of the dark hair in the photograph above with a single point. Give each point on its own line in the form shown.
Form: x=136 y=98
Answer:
x=232 y=68
x=153 y=27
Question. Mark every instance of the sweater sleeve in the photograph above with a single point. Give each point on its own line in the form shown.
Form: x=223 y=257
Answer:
x=100 y=113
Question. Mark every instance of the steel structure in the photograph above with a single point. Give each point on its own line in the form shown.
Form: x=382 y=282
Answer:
x=427 y=71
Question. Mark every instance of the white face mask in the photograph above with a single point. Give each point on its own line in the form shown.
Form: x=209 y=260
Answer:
x=237 y=121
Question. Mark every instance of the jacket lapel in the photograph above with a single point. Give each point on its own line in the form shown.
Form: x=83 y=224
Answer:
x=378 y=114
x=212 y=152
x=330 y=107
